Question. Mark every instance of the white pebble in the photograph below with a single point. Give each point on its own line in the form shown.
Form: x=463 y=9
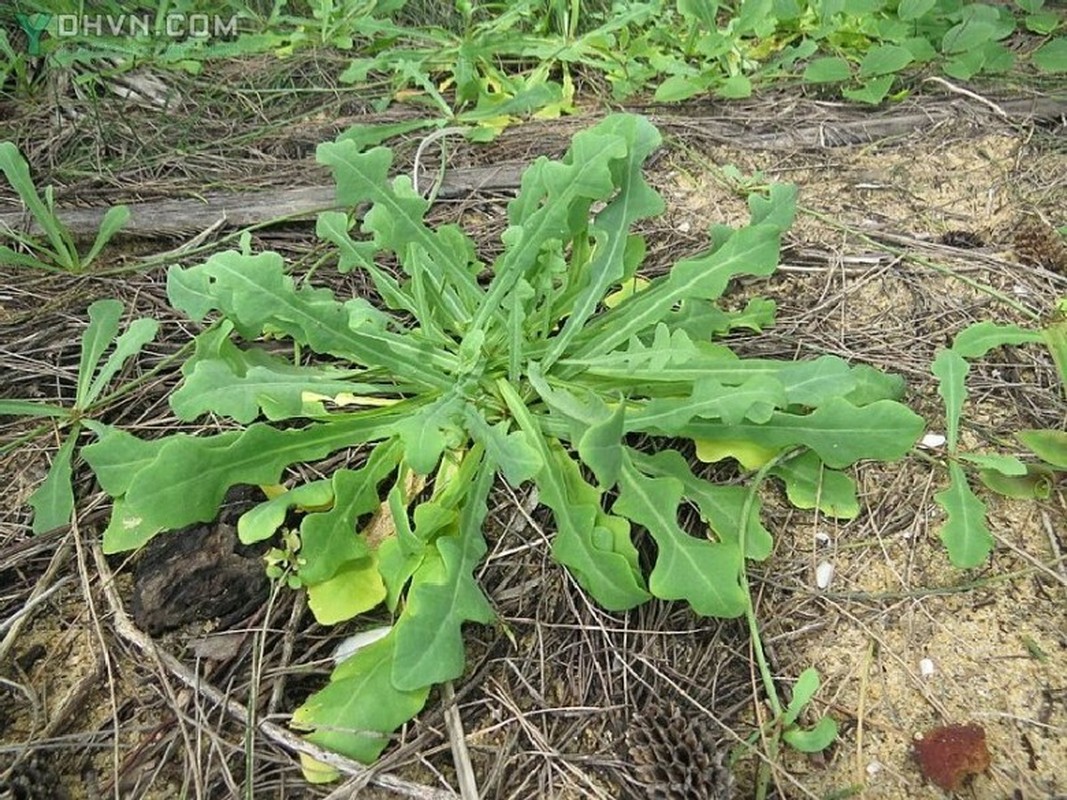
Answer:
x=824 y=573
x=926 y=667
x=874 y=768
x=822 y=537
x=932 y=440
x=684 y=226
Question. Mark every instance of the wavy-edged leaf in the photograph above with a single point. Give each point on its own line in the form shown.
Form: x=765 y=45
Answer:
x=635 y=200
x=188 y=477
x=263 y=520
x=594 y=546
x=396 y=220
x=355 y=713
x=257 y=296
x=443 y=596
x=839 y=432
x=965 y=534
x=329 y=539
x=703 y=573
x=720 y=506
x=749 y=251
x=600 y=447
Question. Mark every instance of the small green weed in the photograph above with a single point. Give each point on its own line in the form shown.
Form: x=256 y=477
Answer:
x=62 y=254
x=541 y=375
x=965 y=533
x=53 y=501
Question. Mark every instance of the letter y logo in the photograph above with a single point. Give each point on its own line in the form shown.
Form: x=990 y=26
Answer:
x=34 y=24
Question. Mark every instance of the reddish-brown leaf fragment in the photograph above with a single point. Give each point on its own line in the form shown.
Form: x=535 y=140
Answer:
x=949 y=754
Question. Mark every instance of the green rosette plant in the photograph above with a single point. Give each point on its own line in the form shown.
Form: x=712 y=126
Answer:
x=465 y=373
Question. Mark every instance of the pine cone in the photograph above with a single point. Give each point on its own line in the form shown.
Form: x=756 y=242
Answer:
x=675 y=757
x=1038 y=243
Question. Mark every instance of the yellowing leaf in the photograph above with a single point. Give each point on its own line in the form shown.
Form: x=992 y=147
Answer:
x=317 y=772
x=628 y=289
x=749 y=454
x=354 y=589
x=348 y=399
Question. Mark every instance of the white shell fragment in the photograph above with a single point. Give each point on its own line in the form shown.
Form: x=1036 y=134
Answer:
x=873 y=768
x=824 y=573
x=356 y=642
x=684 y=226
x=926 y=667
x=932 y=441
x=822 y=538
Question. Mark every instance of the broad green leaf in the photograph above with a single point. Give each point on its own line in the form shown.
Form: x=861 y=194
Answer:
x=705 y=574
x=600 y=447
x=883 y=60
x=1045 y=23
x=964 y=533
x=117 y=456
x=967 y=35
x=951 y=370
x=809 y=485
x=355 y=588
x=126 y=531
x=913 y=9
x=734 y=87
x=976 y=340
x=839 y=432
x=129 y=344
x=443 y=596
x=755 y=400
x=676 y=88
x=103 y=327
x=595 y=547
x=53 y=500
x=778 y=208
x=872 y=91
x=748 y=454
x=1048 y=445
x=112 y=223
x=512 y=452
x=355 y=713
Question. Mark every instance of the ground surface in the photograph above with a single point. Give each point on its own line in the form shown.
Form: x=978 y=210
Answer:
x=550 y=692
